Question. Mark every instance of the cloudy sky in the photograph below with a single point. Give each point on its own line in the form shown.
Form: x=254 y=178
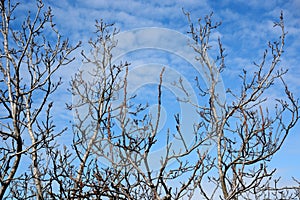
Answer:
x=246 y=28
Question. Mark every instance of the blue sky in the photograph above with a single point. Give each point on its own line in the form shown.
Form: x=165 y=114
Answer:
x=246 y=28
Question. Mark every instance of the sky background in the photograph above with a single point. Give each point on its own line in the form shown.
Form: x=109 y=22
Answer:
x=246 y=28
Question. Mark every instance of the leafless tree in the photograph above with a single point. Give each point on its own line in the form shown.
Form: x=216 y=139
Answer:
x=247 y=131
x=29 y=59
x=113 y=138
x=109 y=129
